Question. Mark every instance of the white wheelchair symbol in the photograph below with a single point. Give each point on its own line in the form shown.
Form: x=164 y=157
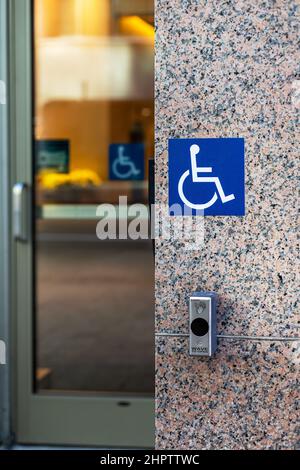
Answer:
x=122 y=162
x=194 y=150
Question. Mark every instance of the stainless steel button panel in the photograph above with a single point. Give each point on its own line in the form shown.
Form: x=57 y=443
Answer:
x=203 y=337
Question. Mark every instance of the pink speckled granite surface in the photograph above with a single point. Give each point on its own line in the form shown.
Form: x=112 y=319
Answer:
x=244 y=398
x=227 y=69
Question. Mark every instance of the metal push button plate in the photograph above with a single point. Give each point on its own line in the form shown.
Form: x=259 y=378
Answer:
x=202 y=324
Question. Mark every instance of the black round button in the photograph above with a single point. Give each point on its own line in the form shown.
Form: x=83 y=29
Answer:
x=199 y=327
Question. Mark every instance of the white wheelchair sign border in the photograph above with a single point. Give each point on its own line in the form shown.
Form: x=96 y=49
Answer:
x=197 y=174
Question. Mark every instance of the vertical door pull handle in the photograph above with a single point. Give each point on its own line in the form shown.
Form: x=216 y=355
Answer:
x=21 y=221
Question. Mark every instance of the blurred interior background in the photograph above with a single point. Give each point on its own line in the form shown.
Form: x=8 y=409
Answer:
x=94 y=135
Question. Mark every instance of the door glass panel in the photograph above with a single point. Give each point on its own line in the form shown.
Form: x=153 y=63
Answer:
x=94 y=136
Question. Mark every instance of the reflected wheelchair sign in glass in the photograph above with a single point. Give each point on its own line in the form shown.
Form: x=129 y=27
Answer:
x=220 y=193
x=126 y=162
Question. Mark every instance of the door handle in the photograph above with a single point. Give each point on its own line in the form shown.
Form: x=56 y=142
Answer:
x=21 y=222
x=151 y=198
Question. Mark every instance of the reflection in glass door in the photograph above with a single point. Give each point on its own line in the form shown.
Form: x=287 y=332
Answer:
x=82 y=112
x=93 y=75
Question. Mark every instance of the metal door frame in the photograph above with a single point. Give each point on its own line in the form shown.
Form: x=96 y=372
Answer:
x=52 y=418
x=5 y=389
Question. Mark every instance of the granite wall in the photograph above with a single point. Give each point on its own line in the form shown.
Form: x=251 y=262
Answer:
x=229 y=69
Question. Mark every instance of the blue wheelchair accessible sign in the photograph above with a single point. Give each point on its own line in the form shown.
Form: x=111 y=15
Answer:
x=207 y=176
x=126 y=162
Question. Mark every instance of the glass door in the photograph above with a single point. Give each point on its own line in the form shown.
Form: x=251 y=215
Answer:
x=83 y=138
